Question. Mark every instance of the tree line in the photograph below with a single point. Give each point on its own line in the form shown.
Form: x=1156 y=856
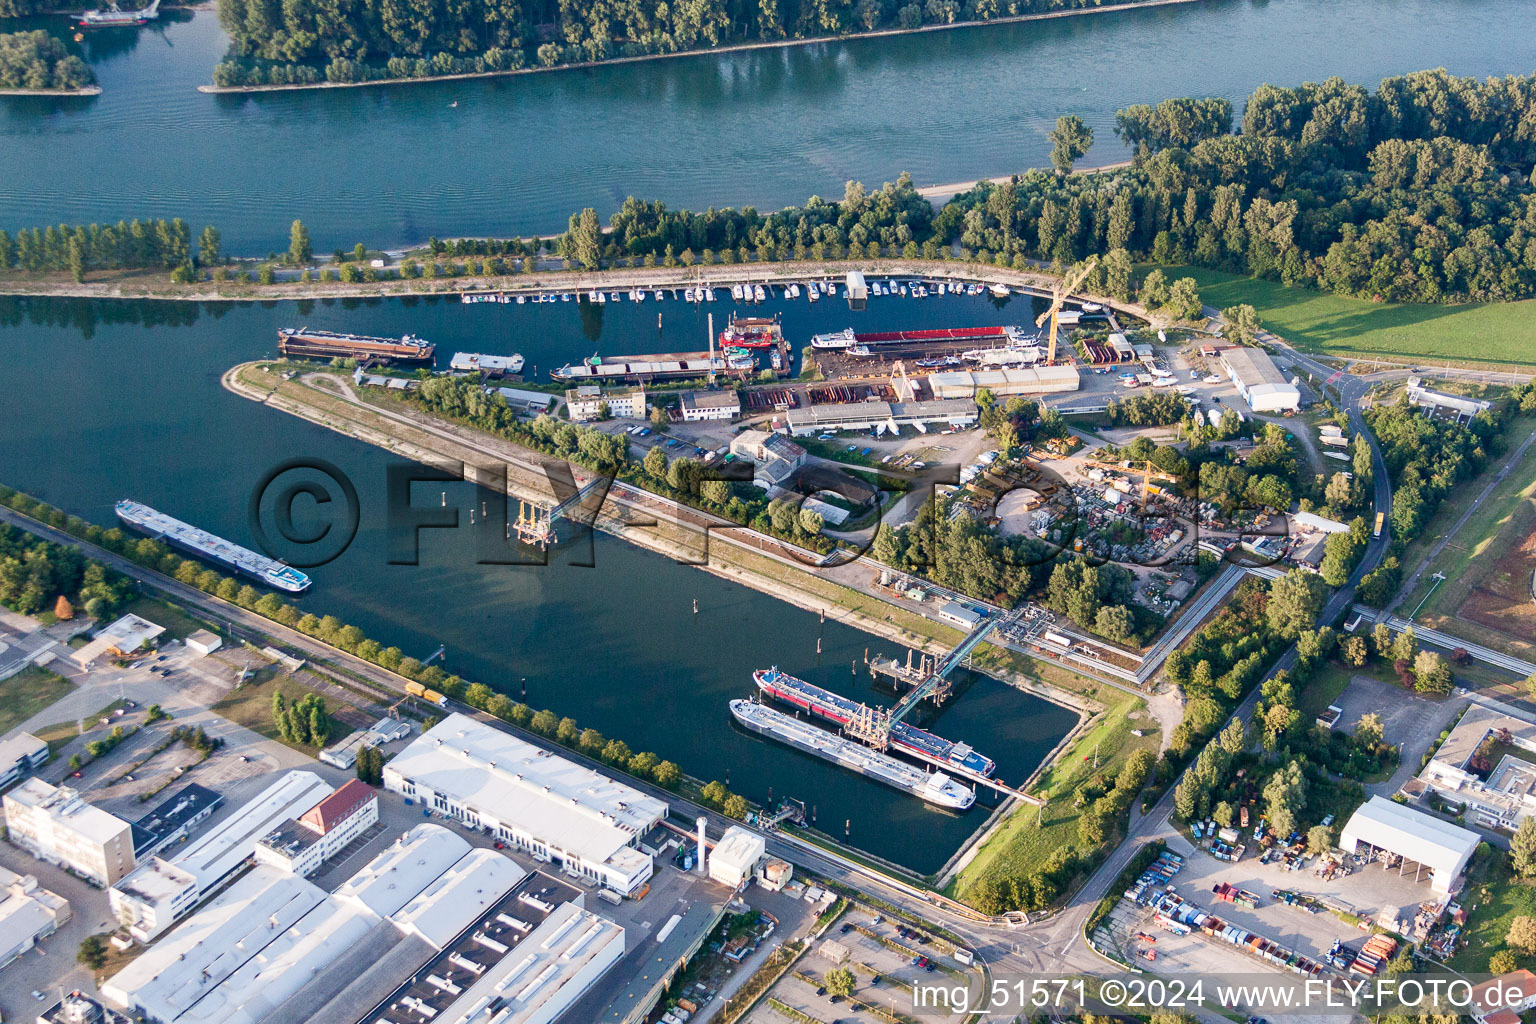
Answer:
x=1421 y=191
x=158 y=244
x=34 y=573
x=272 y=42
x=37 y=60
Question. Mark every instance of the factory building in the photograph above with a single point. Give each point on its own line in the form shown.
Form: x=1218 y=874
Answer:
x=28 y=912
x=775 y=458
x=54 y=824
x=1260 y=381
x=944 y=411
x=555 y=809
x=735 y=858
x=152 y=898
x=710 y=405
x=430 y=929
x=301 y=845
x=20 y=755
x=1028 y=380
x=386 y=730
x=1438 y=403
x=173 y=819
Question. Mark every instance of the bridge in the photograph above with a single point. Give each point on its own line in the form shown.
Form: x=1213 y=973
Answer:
x=936 y=685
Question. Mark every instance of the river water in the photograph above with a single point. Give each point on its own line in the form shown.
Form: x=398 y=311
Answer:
x=112 y=400
x=393 y=165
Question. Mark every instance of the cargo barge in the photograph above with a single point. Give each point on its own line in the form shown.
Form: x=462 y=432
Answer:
x=202 y=544
x=638 y=369
x=934 y=787
x=752 y=332
x=307 y=343
x=840 y=710
x=1007 y=337
x=491 y=366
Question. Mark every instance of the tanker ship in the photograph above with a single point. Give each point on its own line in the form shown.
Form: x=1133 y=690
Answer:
x=301 y=341
x=840 y=710
x=934 y=787
x=205 y=545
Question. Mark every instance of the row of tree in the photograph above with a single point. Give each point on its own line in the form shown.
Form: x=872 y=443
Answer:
x=1421 y=191
x=37 y=60
x=392 y=38
x=132 y=245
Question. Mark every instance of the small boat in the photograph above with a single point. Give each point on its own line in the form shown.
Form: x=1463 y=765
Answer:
x=831 y=289
x=1001 y=291
x=1092 y=307
x=776 y=359
x=688 y=294
x=521 y=300
x=757 y=294
x=736 y=292
x=810 y=293
x=903 y=289
x=565 y=296
x=613 y=296
x=658 y=295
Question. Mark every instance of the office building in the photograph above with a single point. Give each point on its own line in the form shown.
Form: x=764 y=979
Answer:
x=54 y=824
x=21 y=755
x=302 y=845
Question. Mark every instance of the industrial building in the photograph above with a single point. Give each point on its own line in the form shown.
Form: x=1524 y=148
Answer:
x=78 y=1008
x=710 y=405
x=557 y=810
x=128 y=635
x=28 y=912
x=429 y=930
x=301 y=845
x=20 y=755
x=1498 y=797
x=1412 y=839
x=734 y=859
x=945 y=410
x=525 y=400
x=204 y=642
x=1259 y=380
x=386 y=730
x=775 y=457
x=152 y=898
x=586 y=402
x=1456 y=407
x=173 y=819
x=54 y=824
x=1024 y=380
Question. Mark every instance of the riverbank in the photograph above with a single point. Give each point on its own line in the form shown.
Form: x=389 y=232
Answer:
x=774 y=44
x=89 y=90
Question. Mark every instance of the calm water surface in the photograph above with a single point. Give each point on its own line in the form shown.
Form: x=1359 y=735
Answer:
x=111 y=400
x=395 y=164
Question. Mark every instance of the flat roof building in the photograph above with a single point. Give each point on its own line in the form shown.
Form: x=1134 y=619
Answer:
x=125 y=636
x=264 y=950
x=28 y=912
x=1416 y=837
x=386 y=730
x=945 y=408
x=54 y=824
x=735 y=856
x=556 y=809
x=586 y=402
x=157 y=894
x=1458 y=407
x=20 y=755
x=710 y=405
x=1260 y=381
x=173 y=818
x=1035 y=380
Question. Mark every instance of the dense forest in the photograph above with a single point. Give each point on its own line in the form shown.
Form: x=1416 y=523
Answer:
x=1421 y=191
x=283 y=42
x=36 y=60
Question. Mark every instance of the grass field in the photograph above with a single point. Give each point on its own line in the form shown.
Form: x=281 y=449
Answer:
x=1496 y=333
x=1500 y=897
x=28 y=692
x=251 y=706
x=1019 y=845
x=178 y=624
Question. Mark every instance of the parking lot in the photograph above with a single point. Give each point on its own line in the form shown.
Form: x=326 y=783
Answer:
x=888 y=961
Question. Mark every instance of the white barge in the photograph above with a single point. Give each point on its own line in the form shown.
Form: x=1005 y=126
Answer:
x=202 y=544
x=934 y=787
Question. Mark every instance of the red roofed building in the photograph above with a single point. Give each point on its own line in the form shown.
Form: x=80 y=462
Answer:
x=1505 y=998
x=302 y=845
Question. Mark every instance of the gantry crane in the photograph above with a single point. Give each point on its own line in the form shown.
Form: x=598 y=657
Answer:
x=1059 y=295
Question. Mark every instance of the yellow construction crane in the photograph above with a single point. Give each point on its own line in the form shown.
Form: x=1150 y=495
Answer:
x=1059 y=295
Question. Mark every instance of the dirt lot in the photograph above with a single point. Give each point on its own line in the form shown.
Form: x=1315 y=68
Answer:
x=1500 y=597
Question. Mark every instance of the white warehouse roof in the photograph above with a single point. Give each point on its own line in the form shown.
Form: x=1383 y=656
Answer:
x=219 y=851
x=581 y=811
x=398 y=873
x=1413 y=834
